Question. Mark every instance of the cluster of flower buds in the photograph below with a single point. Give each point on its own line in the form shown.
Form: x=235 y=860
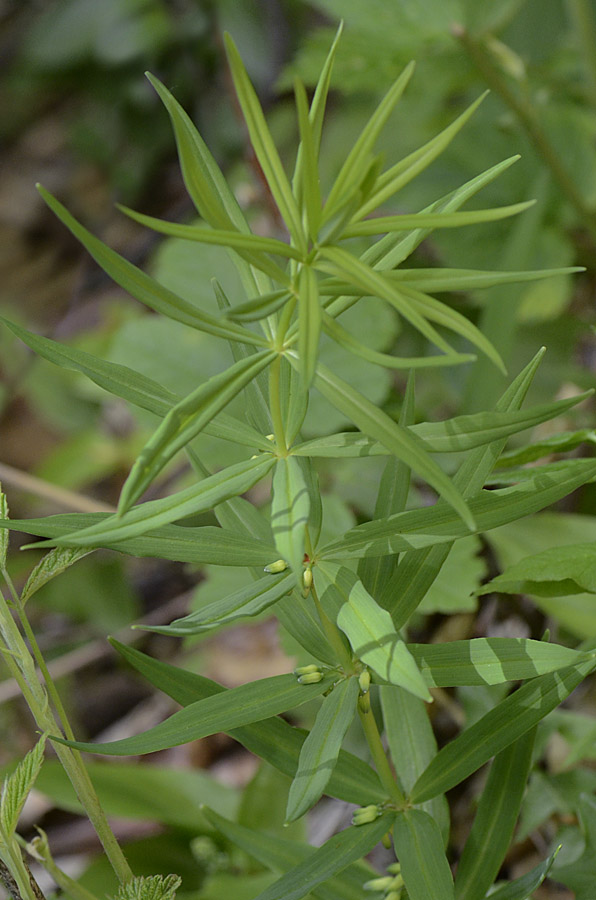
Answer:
x=390 y=885
x=365 y=814
x=308 y=674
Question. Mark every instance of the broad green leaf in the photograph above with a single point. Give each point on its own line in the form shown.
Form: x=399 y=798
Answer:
x=257 y=307
x=371 y=632
x=412 y=745
x=553 y=573
x=321 y=748
x=523 y=887
x=248 y=601
x=555 y=443
x=16 y=788
x=274 y=740
x=232 y=709
x=53 y=563
x=497 y=729
x=306 y=173
x=354 y=168
x=144 y=288
x=198 y=498
x=309 y=323
x=149 y=887
x=199 y=546
x=489 y=660
x=4 y=535
x=419 y=528
x=383 y=224
x=408 y=168
x=281 y=854
x=438 y=280
x=334 y=856
x=419 y=847
x=494 y=822
x=289 y=512
x=264 y=147
x=349 y=342
x=398 y=440
x=186 y=420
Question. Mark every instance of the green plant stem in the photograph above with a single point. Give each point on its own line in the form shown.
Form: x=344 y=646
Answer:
x=538 y=138
x=275 y=404
x=373 y=739
x=584 y=24
x=22 y=668
x=333 y=635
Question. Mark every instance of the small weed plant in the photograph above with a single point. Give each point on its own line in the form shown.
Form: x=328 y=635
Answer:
x=348 y=600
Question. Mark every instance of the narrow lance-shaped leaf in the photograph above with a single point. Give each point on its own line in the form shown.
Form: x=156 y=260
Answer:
x=497 y=729
x=309 y=323
x=419 y=847
x=248 y=601
x=257 y=307
x=5 y=534
x=377 y=424
x=144 y=288
x=321 y=748
x=555 y=572
x=494 y=822
x=334 y=856
x=289 y=512
x=198 y=498
x=274 y=740
x=306 y=175
x=370 y=630
x=238 y=706
x=437 y=280
x=186 y=420
x=16 y=788
x=382 y=224
x=523 y=887
x=554 y=443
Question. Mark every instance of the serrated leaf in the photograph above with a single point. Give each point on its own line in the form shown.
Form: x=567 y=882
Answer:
x=419 y=847
x=309 y=323
x=16 y=788
x=53 y=563
x=144 y=288
x=419 y=528
x=494 y=822
x=199 y=546
x=186 y=420
x=198 y=498
x=370 y=631
x=334 y=856
x=274 y=740
x=248 y=601
x=232 y=709
x=149 y=887
x=489 y=660
x=290 y=507
x=497 y=729
x=321 y=748
x=377 y=424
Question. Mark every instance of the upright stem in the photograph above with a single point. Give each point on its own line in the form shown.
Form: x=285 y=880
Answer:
x=373 y=739
x=275 y=404
x=526 y=115
x=332 y=634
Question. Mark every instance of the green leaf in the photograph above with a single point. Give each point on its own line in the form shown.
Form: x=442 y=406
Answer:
x=438 y=280
x=232 y=709
x=53 y=563
x=434 y=525
x=309 y=323
x=370 y=631
x=579 y=874
x=145 y=289
x=398 y=440
x=306 y=174
x=281 y=854
x=354 y=168
x=494 y=822
x=274 y=740
x=497 y=729
x=199 y=546
x=383 y=224
x=555 y=443
x=289 y=512
x=264 y=147
x=248 y=601
x=4 y=535
x=149 y=887
x=186 y=420
x=489 y=660
x=424 y=866
x=16 y=788
x=552 y=573
x=198 y=498
x=321 y=748
x=257 y=307
x=523 y=887
x=336 y=854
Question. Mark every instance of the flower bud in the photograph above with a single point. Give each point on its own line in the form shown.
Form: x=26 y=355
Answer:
x=270 y=437
x=306 y=670
x=311 y=678
x=397 y=883
x=378 y=884
x=306 y=582
x=393 y=895
x=280 y=565
x=365 y=814
x=364 y=681
x=394 y=868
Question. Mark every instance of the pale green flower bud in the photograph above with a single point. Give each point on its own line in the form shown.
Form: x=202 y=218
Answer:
x=393 y=895
x=280 y=565
x=378 y=884
x=312 y=678
x=270 y=437
x=394 y=868
x=306 y=670
x=397 y=883
x=365 y=814
x=306 y=582
x=364 y=681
